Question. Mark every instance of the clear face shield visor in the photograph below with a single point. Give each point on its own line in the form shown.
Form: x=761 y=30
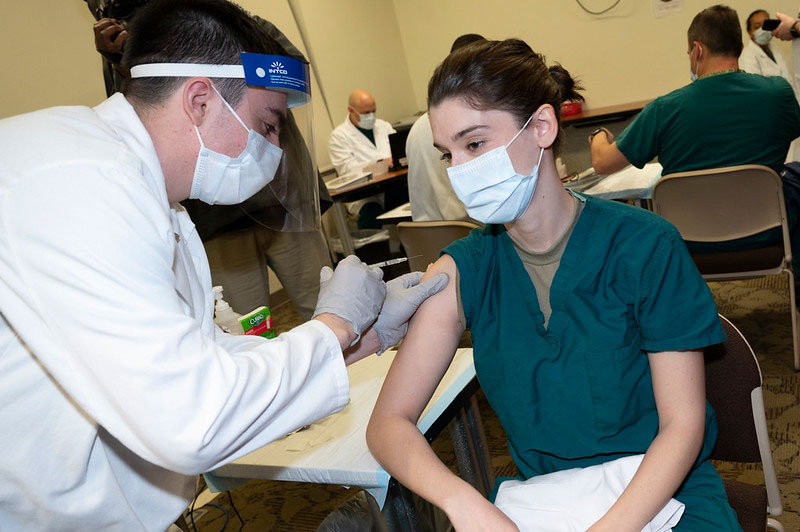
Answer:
x=290 y=202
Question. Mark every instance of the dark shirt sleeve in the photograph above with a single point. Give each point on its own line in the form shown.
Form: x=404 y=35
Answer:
x=675 y=309
x=639 y=141
x=791 y=111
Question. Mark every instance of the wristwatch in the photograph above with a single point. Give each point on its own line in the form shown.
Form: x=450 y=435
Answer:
x=599 y=130
x=793 y=30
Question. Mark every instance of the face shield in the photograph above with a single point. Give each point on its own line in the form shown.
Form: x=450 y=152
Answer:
x=290 y=202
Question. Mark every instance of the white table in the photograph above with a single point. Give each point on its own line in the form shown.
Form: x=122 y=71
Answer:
x=334 y=450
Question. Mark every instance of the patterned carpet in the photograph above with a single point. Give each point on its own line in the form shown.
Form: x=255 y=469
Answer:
x=759 y=308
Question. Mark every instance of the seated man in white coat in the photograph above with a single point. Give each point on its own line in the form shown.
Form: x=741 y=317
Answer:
x=361 y=140
x=116 y=387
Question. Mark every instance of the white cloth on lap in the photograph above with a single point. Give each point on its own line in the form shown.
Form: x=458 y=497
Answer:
x=574 y=499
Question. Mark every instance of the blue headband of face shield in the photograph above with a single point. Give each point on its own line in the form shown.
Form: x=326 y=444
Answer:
x=274 y=72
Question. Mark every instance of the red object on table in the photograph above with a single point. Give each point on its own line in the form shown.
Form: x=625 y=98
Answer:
x=571 y=108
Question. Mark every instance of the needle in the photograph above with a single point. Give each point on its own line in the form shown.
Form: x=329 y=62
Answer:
x=392 y=262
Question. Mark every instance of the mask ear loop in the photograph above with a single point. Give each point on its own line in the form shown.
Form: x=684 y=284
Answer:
x=230 y=108
x=520 y=131
x=197 y=131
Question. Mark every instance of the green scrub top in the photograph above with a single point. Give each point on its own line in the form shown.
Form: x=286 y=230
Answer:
x=716 y=121
x=579 y=392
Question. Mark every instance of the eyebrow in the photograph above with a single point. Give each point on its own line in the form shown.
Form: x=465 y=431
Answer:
x=277 y=113
x=462 y=133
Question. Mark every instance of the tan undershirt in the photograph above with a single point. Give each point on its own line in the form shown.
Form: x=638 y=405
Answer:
x=541 y=266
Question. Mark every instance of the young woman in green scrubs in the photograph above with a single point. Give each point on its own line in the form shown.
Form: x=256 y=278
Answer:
x=588 y=318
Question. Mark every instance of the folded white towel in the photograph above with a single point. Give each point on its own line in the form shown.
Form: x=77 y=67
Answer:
x=574 y=499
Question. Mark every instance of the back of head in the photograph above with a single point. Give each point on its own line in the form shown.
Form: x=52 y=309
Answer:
x=717 y=27
x=502 y=75
x=463 y=40
x=190 y=31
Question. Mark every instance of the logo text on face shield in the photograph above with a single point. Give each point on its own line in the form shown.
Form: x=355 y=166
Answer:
x=277 y=68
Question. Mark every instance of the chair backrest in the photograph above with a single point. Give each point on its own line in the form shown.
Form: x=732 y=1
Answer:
x=720 y=204
x=733 y=388
x=732 y=373
x=424 y=240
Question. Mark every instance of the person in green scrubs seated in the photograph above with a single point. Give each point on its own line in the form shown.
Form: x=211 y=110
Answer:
x=588 y=317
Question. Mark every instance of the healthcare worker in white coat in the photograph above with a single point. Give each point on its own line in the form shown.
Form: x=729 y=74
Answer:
x=362 y=139
x=116 y=388
x=759 y=56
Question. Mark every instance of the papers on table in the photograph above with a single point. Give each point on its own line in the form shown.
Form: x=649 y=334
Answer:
x=403 y=211
x=628 y=183
x=347 y=180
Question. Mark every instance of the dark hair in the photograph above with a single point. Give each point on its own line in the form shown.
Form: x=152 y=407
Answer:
x=754 y=13
x=717 y=27
x=190 y=31
x=467 y=38
x=506 y=75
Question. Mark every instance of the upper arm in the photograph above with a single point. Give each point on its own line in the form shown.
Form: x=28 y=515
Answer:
x=425 y=354
x=679 y=387
x=639 y=142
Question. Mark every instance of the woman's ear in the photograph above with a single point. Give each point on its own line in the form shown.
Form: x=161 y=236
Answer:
x=197 y=93
x=546 y=125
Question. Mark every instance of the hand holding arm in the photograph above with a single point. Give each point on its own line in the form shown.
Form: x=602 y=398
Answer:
x=349 y=298
x=403 y=295
x=679 y=388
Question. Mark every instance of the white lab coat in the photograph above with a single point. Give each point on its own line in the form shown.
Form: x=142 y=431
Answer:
x=351 y=150
x=756 y=61
x=116 y=388
x=429 y=189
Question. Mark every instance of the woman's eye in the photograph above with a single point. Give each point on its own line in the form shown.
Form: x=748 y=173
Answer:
x=446 y=157
x=475 y=145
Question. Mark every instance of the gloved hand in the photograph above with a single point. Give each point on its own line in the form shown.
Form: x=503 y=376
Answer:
x=354 y=292
x=403 y=295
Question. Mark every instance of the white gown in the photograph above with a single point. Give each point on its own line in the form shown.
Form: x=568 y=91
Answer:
x=116 y=388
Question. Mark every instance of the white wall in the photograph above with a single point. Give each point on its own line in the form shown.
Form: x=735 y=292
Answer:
x=47 y=56
x=623 y=56
x=388 y=47
x=356 y=44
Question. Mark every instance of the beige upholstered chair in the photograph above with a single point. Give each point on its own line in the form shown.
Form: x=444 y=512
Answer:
x=424 y=240
x=722 y=204
x=733 y=388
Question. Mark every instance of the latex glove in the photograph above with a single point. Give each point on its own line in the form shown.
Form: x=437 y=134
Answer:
x=403 y=295
x=354 y=292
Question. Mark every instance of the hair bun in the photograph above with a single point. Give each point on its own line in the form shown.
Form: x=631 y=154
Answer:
x=569 y=87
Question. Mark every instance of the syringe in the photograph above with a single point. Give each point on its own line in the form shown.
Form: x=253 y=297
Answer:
x=392 y=262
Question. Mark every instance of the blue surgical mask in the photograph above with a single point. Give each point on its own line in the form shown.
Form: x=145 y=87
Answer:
x=492 y=191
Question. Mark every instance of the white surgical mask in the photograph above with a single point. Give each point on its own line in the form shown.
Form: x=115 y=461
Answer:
x=692 y=74
x=366 y=121
x=490 y=188
x=762 y=36
x=222 y=180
